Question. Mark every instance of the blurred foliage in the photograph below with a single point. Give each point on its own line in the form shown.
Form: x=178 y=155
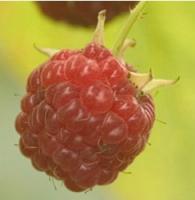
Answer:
x=165 y=43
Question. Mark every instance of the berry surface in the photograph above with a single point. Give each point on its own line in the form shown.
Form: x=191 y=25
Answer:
x=82 y=120
x=83 y=13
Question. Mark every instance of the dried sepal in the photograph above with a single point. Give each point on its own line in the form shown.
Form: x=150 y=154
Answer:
x=146 y=83
x=157 y=83
x=128 y=43
x=46 y=51
x=98 y=37
x=140 y=79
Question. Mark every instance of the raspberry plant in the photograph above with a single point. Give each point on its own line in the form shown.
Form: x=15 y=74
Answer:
x=87 y=114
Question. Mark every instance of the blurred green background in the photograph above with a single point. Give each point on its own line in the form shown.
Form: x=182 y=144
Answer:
x=165 y=43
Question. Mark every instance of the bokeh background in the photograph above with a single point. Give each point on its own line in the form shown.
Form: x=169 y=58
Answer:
x=165 y=43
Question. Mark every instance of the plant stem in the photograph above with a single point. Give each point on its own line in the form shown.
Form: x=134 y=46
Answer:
x=130 y=22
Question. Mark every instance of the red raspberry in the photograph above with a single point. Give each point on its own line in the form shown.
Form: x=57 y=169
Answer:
x=73 y=117
x=83 y=119
x=83 y=13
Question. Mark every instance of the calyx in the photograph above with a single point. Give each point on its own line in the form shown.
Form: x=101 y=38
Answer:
x=145 y=82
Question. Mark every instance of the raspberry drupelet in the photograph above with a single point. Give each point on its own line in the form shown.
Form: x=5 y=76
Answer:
x=86 y=116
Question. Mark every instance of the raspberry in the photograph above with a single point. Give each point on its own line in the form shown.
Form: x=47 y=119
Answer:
x=75 y=12
x=86 y=116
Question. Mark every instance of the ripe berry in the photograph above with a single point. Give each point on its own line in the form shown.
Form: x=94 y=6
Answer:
x=83 y=13
x=86 y=116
